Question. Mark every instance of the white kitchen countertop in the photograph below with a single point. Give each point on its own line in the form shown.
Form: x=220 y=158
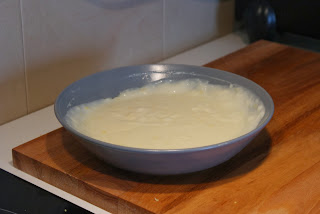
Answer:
x=43 y=121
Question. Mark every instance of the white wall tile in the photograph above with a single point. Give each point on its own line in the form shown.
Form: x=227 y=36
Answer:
x=12 y=81
x=66 y=40
x=189 y=23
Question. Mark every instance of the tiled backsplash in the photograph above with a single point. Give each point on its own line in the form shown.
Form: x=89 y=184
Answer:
x=46 y=45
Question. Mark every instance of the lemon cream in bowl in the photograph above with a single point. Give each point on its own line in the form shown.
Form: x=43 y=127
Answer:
x=170 y=115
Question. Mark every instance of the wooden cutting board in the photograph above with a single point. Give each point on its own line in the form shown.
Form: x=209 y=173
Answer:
x=278 y=172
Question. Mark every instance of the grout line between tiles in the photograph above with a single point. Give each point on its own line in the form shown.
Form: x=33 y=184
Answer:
x=24 y=57
x=164 y=29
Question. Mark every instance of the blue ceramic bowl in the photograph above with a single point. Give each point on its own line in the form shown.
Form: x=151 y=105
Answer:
x=109 y=84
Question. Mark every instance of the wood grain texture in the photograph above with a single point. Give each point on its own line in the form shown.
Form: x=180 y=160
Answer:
x=278 y=172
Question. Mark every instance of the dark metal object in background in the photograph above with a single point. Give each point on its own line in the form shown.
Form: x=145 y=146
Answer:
x=260 y=21
x=291 y=22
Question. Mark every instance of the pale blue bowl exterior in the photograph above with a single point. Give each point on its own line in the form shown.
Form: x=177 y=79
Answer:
x=108 y=84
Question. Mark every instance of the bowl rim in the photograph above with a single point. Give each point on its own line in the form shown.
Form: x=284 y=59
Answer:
x=163 y=151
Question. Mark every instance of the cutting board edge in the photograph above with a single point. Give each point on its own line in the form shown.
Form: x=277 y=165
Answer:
x=23 y=163
x=35 y=168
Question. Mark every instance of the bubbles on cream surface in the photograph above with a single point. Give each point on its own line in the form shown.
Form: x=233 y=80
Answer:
x=170 y=115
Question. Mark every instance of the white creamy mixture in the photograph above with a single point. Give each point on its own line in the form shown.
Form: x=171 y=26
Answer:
x=171 y=115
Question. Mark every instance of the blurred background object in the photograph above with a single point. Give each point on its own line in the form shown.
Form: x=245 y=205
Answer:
x=292 y=22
